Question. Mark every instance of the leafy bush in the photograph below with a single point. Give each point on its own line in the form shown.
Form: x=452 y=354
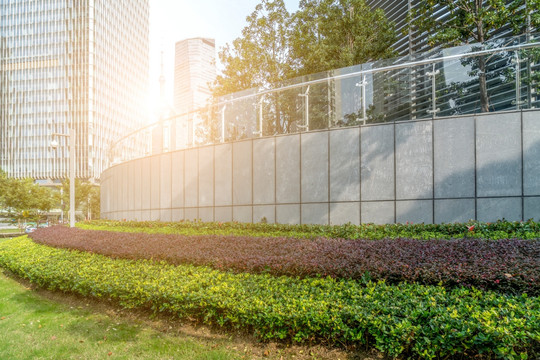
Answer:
x=509 y=265
x=408 y=319
x=472 y=229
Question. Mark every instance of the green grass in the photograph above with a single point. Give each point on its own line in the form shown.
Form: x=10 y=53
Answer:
x=10 y=231
x=33 y=327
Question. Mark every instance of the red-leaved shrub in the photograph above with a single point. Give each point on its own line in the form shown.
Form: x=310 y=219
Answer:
x=509 y=265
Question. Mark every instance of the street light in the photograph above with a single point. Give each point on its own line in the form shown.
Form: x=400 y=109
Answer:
x=54 y=145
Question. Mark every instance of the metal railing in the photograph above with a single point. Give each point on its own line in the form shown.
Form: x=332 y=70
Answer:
x=502 y=74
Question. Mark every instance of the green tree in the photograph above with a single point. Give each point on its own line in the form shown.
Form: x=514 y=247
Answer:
x=25 y=200
x=474 y=20
x=276 y=46
x=86 y=197
x=331 y=34
x=260 y=57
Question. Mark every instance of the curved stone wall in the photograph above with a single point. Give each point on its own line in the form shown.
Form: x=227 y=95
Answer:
x=484 y=167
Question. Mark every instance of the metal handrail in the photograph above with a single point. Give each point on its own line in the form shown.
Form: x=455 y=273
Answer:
x=259 y=92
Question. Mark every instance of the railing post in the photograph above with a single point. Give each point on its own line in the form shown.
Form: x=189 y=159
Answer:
x=433 y=74
x=223 y=123
x=261 y=117
x=362 y=84
x=518 y=81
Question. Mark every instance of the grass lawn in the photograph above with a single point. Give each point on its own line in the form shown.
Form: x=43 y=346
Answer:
x=34 y=327
x=10 y=231
x=39 y=324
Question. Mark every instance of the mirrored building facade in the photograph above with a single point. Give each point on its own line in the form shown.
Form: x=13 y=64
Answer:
x=64 y=64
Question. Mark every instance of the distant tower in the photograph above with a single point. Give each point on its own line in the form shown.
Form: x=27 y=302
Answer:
x=194 y=69
x=165 y=109
x=162 y=81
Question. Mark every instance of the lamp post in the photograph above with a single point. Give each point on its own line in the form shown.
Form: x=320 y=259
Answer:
x=54 y=145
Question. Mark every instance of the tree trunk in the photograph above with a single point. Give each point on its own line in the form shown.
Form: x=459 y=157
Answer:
x=484 y=100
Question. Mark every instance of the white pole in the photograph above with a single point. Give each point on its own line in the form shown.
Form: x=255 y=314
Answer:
x=223 y=123
x=71 y=177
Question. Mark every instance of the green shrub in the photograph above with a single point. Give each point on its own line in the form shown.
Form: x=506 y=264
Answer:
x=406 y=319
x=473 y=229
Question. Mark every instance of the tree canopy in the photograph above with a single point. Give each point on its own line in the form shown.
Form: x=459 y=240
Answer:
x=322 y=35
x=23 y=198
x=474 y=21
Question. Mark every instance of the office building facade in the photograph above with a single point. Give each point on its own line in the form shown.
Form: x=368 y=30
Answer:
x=79 y=64
x=194 y=70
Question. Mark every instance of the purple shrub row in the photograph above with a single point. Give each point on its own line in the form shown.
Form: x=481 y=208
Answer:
x=508 y=265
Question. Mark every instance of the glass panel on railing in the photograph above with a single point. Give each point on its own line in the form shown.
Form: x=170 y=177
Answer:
x=355 y=96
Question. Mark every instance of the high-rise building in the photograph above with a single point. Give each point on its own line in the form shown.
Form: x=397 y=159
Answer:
x=64 y=64
x=194 y=69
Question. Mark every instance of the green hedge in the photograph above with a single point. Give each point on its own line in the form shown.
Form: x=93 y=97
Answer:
x=407 y=319
x=473 y=229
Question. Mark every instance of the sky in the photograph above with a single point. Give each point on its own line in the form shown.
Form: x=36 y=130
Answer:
x=175 y=20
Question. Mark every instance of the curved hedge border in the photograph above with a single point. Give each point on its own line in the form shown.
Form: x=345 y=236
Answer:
x=472 y=229
x=407 y=319
x=511 y=266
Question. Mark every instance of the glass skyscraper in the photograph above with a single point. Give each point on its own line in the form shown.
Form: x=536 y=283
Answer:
x=69 y=63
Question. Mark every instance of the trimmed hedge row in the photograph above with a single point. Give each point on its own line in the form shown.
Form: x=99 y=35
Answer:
x=408 y=319
x=510 y=265
x=472 y=229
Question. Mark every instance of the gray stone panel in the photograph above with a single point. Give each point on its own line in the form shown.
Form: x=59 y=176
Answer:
x=264 y=184
x=191 y=214
x=343 y=213
x=380 y=212
x=377 y=162
x=145 y=186
x=288 y=214
x=345 y=165
x=137 y=178
x=104 y=200
x=414 y=211
x=165 y=215
x=191 y=178
x=155 y=175
x=177 y=214
x=242 y=214
x=206 y=214
x=206 y=176
x=136 y=215
x=288 y=169
x=498 y=148
x=155 y=215
x=146 y=215
x=110 y=191
x=531 y=153
x=454 y=158
x=454 y=210
x=264 y=211
x=314 y=167
x=165 y=190
x=532 y=208
x=130 y=186
x=177 y=176
x=223 y=174
x=223 y=214
x=124 y=188
x=242 y=173
x=315 y=214
x=490 y=210
x=114 y=189
x=414 y=161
